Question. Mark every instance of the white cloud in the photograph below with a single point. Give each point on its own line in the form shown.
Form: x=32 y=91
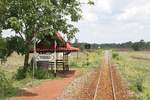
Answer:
x=8 y=33
x=104 y=5
x=115 y=21
x=92 y=13
x=90 y=17
x=136 y=12
x=112 y=32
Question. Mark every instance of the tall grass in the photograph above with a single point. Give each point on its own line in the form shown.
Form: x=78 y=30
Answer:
x=6 y=86
x=86 y=60
x=136 y=72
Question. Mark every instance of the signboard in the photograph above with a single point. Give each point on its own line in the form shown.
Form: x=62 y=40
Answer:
x=87 y=46
x=49 y=57
x=45 y=57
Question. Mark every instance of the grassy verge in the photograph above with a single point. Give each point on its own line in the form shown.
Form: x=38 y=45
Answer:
x=86 y=60
x=9 y=86
x=136 y=72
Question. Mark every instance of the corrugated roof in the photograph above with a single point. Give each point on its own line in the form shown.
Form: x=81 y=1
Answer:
x=65 y=47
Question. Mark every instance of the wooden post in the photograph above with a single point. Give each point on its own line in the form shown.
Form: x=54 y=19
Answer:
x=63 y=61
x=67 y=63
x=87 y=58
x=55 y=63
x=77 y=57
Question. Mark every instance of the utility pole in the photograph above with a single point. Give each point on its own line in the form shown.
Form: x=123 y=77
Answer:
x=34 y=57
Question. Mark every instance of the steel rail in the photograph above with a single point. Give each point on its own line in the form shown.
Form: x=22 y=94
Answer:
x=95 y=94
x=112 y=80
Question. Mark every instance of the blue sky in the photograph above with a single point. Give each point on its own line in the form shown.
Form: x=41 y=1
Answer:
x=113 y=21
x=118 y=21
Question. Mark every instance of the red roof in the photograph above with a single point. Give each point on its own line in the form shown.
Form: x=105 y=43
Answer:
x=65 y=47
x=59 y=37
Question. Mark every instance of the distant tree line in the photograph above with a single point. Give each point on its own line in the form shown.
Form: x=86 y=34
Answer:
x=137 y=46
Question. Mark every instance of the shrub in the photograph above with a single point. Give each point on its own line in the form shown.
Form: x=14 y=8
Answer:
x=147 y=96
x=74 y=64
x=138 y=83
x=5 y=85
x=41 y=73
x=136 y=46
x=21 y=73
x=115 y=56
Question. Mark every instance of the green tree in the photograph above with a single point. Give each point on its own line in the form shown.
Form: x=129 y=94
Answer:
x=29 y=17
x=141 y=45
x=76 y=43
x=136 y=46
x=3 y=49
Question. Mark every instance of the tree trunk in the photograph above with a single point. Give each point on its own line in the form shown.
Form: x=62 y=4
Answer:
x=26 y=60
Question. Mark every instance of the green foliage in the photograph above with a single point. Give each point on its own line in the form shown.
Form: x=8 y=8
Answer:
x=16 y=44
x=3 y=54
x=90 y=2
x=11 y=44
x=74 y=64
x=141 y=45
x=147 y=96
x=136 y=46
x=5 y=85
x=3 y=50
x=115 y=55
x=92 y=46
x=21 y=73
x=2 y=43
x=32 y=16
x=76 y=43
x=139 y=83
x=141 y=97
x=14 y=24
x=41 y=73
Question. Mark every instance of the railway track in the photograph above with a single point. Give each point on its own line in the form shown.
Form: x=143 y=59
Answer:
x=106 y=67
x=105 y=84
x=112 y=80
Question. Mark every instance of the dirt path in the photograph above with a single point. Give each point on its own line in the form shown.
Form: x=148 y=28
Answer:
x=106 y=85
x=48 y=90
